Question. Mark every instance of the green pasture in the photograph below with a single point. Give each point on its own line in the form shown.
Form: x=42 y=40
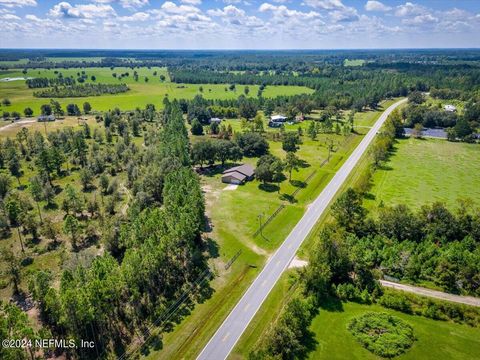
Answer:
x=422 y=171
x=435 y=339
x=141 y=93
x=353 y=62
x=331 y=340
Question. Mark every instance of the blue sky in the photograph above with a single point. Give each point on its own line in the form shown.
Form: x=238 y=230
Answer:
x=239 y=24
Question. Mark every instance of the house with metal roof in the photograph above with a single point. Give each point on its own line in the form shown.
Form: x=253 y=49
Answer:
x=238 y=174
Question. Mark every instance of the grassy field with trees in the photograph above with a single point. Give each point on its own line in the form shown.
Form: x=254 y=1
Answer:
x=234 y=232
x=434 y=339
x=115 y=226
x=420 y=171
x=262 y=339
x=147 y=86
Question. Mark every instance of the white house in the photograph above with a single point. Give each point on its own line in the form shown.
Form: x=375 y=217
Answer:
x=278 y=118
x=450 y=108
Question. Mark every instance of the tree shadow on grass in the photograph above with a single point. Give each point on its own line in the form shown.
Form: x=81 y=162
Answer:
x=310 y=343
x=304 y=164
x=385 y=167
x=212 y=248
x=212 y=170
x=268 y=187
x=331 y=304
x=369 y=196
x=289 y=198
x=298 y=183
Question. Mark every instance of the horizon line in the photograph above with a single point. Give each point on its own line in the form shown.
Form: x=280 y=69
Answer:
x=244 y=49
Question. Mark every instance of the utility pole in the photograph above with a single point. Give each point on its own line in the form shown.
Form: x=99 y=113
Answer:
x=260 y=216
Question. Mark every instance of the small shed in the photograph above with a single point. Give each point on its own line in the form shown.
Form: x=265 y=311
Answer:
x=44 y=118
x=238 y=174
x=215 y=120
x=450 y=108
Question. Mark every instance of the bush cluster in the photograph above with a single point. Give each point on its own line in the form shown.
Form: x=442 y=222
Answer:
x=382 y=334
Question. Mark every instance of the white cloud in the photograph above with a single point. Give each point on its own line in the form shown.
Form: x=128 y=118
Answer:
x=373 y=5
x=65 y=10
x=172 y=8
x=284 y=12
x=139 y=16
x=133 y=4
x=409 y=9
x=9 y=17
x=232 y=15
x=325 y=4
x=18 y=3
x=191 y=2
x=347 y=14
x=421 y=20
x=32 y=17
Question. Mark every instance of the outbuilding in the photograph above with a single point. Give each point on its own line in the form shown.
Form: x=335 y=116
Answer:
x=277 y=121
x=215 y=120
x=44 y=118
x=238 y=174
x=450 y=108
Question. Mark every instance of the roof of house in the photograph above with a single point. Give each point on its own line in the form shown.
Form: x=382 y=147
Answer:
x=215 y=120
x=449 y=107
x=235 y=175
x=244 y=169
x=278 y=117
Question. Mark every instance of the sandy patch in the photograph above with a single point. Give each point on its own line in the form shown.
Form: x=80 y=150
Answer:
x=297 y=263
x=17 y=124
x=15 y=79
x=230 y=187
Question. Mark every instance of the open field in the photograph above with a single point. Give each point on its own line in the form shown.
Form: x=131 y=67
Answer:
x=423 y=171
x=435 y=339
x=140 y=94
x=353 y=62
x=234 y=215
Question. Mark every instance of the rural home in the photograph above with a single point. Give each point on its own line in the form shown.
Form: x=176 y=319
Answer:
x=277 y=120
x=450 y=108
x=238 y=174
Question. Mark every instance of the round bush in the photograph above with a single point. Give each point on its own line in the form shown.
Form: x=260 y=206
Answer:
x=382 y=334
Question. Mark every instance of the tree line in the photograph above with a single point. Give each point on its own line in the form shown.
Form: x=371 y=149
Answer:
x=36 y=83
x=84 y=90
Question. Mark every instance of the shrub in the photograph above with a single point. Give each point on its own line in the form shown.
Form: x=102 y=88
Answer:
x=348 y=292
x=396 y=302
x=382 y=334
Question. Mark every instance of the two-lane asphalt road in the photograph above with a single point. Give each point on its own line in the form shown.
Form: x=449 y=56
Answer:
x=222 y=343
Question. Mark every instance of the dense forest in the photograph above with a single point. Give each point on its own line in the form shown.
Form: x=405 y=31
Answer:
x=151 y=258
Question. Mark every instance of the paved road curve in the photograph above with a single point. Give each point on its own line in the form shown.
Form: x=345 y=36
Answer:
x=220 y=345
x=467 y=300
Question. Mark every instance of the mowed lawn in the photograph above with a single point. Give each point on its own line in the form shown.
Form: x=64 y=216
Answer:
x=424 y=171
x=435 y=339
x=140 y=94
